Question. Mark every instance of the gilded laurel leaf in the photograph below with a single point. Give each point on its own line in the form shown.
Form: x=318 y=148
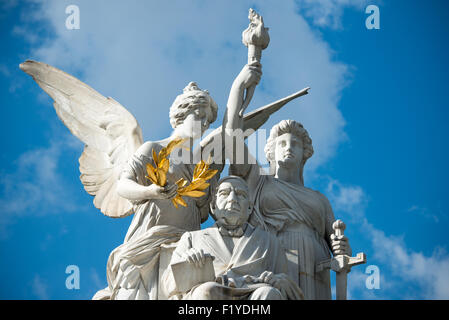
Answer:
x=165 y=152
x=197 y=181
x=199 y=169
x=162 y=154
x=158 y=173
x=208 y=174
x=185 y=189
x=163 y=177
x=158 y=177
x=174 y=144
x=181 y=183
x=151 y=175
x=202 y=186
x=152 y=181
x=194 y=193
x=195 y=171
x=155 y=158
x=164 y=165
x=179 y=200
x=201 y=174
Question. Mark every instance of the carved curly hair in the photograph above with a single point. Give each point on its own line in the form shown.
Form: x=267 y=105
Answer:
x=185 y=102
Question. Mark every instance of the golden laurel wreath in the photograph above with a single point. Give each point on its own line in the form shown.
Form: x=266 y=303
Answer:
x=158 y=174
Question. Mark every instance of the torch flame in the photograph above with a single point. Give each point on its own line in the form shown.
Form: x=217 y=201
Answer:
x=256 y=34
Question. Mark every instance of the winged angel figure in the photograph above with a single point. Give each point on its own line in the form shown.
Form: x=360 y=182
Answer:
x=113 y=168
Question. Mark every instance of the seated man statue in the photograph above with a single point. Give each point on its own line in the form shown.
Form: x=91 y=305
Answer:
x=234 y=260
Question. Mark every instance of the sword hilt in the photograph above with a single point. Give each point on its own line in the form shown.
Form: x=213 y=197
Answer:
x=339 y=227
x=341 y=264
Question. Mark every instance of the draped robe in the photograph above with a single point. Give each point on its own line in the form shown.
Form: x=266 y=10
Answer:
x=133 y=267
x=302 y=220
x=255 y=252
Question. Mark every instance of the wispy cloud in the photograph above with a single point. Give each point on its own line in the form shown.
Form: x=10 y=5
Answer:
x=15 y=82
x=172 y=43
x=4 y=71
x=346 y=198
x=428 y=275
x=97 y=283
x=39 y=288
x=424 y=212
x=38 y=185
x=329 y=13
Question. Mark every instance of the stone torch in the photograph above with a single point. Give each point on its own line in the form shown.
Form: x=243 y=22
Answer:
x=256 y=39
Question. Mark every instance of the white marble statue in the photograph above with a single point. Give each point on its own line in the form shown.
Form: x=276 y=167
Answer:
x=114 y=169
x=248 y=262
x=301 y=218
x=133 y=267
x=113 y=163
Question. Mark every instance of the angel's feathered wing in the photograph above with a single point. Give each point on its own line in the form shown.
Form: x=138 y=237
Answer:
x=110 y=133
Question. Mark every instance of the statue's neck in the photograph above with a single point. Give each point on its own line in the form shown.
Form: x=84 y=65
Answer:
x=289 y=174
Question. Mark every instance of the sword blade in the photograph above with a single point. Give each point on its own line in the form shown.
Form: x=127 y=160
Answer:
x=342 y=282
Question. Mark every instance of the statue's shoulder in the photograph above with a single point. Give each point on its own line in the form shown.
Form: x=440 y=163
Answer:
x=321 y=196
x=264 y=234
x=201 y=232
x=323 y=199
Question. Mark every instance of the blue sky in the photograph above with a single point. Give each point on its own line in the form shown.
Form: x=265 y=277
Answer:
x=376 y=113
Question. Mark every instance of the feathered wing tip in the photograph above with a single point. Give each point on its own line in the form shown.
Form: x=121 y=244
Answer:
x=110 y=133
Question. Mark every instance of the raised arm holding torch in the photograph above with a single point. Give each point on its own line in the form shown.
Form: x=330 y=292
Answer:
x=256 y=38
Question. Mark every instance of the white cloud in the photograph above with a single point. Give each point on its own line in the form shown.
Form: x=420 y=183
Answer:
x=23 y=32
x=38 y=185
x=4 y=71
x=428 y=273
x=144 y=53
x=345 y=198
x=39 y=288
x=14 y=82
x=328 y=13
x=425 y=212
x=97 y=283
